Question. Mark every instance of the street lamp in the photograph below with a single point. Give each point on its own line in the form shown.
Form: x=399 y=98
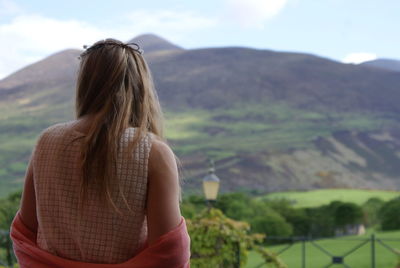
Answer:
x=211 y=185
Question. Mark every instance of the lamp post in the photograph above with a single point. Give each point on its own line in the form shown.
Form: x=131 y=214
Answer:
x=211 y=185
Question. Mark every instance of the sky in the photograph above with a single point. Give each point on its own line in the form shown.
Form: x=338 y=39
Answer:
x=350 y=31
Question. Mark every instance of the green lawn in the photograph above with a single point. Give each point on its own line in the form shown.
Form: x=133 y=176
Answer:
x=360 y=258
x=321 y=197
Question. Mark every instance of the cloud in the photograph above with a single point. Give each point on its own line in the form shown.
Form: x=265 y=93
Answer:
x=41 y=34
x=359 y=57
x=8 y=7
x=26 y=38
x=169 y=20
x=253 y=13
x=172 y=23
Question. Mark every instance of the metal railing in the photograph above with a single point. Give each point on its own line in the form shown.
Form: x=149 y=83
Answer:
x=336 y=259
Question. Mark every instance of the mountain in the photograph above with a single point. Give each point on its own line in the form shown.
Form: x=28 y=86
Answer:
x=387 y=64
x=56 y=69
x=227 y=76
x=151 y=43
x=37 y=85
x=270 y=120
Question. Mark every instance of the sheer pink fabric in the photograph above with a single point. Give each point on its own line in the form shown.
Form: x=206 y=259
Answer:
x=172 y=250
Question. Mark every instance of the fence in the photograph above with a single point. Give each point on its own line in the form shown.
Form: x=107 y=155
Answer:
x=338 y=260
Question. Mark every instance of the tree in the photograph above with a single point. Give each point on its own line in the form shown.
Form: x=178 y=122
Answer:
x=322 y=221
x=346 y=213
x=371 y=211
x=267 y=221
x=259 y=213
x=296 y=217
x=390 y=216
x=235 y=205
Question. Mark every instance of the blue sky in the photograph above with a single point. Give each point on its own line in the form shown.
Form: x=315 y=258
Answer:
x=343 y=30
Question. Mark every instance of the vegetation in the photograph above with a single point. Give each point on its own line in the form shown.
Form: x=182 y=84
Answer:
x=261 y=216
x=371 y=209
x=315 y=198
x=280 y=218
x=217 y=241
x=389 y=215
x=8 y=209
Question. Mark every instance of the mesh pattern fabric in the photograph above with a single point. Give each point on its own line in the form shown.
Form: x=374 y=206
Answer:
x=99 y=235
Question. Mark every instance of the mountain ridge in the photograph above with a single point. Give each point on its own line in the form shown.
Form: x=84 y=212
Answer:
x=262 y=115
x=151 y=43
x=386 y=64
x=56 y=65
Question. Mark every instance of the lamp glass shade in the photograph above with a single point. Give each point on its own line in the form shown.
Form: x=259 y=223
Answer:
x=210 y=189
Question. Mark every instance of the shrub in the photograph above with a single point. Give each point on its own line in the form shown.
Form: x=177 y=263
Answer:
x=192 y=205
x=217 y=241
x=8 y=208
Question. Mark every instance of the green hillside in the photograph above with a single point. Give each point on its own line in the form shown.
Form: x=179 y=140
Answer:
x=229 y=136
x=317 y=198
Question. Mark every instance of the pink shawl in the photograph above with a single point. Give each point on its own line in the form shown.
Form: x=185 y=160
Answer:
x=170 y=250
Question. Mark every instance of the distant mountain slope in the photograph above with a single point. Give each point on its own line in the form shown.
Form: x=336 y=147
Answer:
x=151 y=43
x=57 y=68
x=345 y=159
x=270 y=120
x=215 y=77
x=50 y=80
x=387 y=64
x=223 y=77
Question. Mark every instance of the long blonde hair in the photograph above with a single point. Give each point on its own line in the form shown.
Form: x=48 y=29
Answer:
x=115 y=87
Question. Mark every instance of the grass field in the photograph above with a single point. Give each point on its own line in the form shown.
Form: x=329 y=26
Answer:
x=322 y=197
x=360 y=258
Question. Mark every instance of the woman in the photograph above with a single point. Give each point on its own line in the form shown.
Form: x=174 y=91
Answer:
x=104 y=190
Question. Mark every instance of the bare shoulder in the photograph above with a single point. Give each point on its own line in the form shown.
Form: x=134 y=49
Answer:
x=160 y=149
x=161 y=157
x=163 y=212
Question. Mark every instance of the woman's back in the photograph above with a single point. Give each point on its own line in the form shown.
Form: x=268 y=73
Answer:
x=99 y=235
x=101 y=188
